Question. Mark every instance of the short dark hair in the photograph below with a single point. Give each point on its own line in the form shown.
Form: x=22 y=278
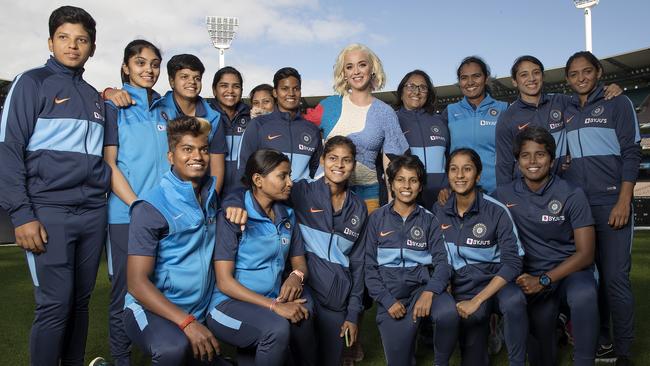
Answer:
x=410 y=162
x=223 y=71
x=430 y=102
x=185 y=125
x=473 y=156
x=262 y=87
x=339 y=140
x=593 y=60
x=474 y=60
x=74 y=15
x=284 y=73
x=262 y=162
x=535 y=134
x=184 y=61
x=520 y=60
x=133 y=49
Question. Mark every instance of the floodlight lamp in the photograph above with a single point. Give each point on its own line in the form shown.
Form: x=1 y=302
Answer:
x=222 y=30
x=582 y=4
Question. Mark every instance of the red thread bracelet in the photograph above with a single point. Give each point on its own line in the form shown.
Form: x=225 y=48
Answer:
x=190 y=318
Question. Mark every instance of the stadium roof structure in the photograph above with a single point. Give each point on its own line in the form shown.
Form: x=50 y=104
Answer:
x=630 y=70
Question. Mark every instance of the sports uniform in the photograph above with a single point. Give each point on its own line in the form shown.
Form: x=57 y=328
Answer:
x=428 y=138
x=480 y=245
x=401 y=262
x=295 y=137
x=169 y=224
x=260 y=254
x=545 y=221
x=334 y=256
x=129 y=129
x=52 y=170
x=233 y=129
x=547 y=114
x=476 y=128
x=603 y=139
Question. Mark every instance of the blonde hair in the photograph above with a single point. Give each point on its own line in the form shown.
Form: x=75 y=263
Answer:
x=186 y=125
x=378 y=77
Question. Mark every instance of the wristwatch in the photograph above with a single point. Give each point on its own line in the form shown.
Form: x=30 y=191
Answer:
x=544 y=280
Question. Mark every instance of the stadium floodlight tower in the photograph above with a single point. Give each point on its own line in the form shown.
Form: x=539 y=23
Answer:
x=587 y=5
x=222 y=30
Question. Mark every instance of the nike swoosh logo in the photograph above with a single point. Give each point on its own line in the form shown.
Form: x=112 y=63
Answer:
x=405 y=132
x=569 y=119
x=59 y=101
x=510 y=205
x=315 y=210
x=445 y=226
x=176 y=217
x=521 y=127
x=273 y=137
x=381 y=233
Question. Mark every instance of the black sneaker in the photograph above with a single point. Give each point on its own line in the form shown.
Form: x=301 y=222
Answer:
x=605 y=353
x=623 y=361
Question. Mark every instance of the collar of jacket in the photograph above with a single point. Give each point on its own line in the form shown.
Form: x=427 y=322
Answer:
x=59 y=68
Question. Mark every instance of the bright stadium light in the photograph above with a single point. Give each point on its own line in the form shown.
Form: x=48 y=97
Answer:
x=587 y=5
x=222 y=30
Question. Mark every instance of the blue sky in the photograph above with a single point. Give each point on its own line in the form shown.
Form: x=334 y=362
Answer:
x=308 y=34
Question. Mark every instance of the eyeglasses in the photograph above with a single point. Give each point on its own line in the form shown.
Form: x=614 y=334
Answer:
x=414 y=88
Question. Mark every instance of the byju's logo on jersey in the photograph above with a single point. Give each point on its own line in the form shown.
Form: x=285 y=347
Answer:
x=554 y=207
x=598 y=111
x=354 y=222
x=479 y=230
x=493 y=112
x=551 y=218
x=306 y=140
x=555 y=115
x=161 y=128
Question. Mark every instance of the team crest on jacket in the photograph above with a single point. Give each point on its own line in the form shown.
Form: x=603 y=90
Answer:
x=597 y=111
x=98 y=106
x=417 y=233
x=479 y=230
x=306 y=138
x=554 y=207
x=555 y=115
x=435 y=129
x=242 y=122
x=493 y=112
x=287 y=225
x=355 y=221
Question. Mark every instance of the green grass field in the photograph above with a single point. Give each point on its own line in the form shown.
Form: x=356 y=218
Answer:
x=16 y=307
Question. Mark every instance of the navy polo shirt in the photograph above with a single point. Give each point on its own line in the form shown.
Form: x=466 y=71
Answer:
x=546 y=220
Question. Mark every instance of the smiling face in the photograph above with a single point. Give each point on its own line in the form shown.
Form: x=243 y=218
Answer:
x=529 y=79
x=338 y=165
x=143 y=69
x=71 y=45
x=472 y=81
x=406 y=186
x=582 y=76
x=277 y=184
x=186 y=83
x=534 y=162
x=415 y=91
x=190 y=157
x=228 y=91
x=463 y=175
x=287 y=94
x=357 y=70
